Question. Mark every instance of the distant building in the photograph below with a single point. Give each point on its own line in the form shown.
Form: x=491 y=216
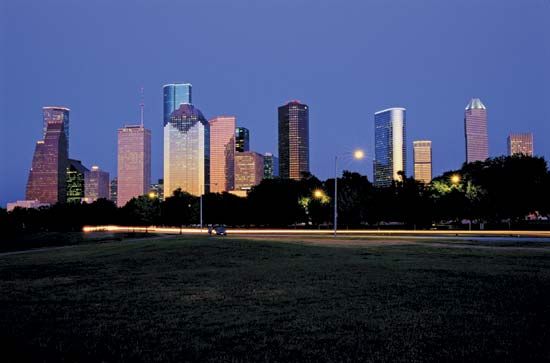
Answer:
x=293 y=140
x=25 y=204
x=76 y=173
x=96 y=184
x=271 y=166
x=54 y=113
x=389 y=145
x=422 y=159
x=222 y=153
x=475 y=131
x=134 y=163
x=186 y=152
x=174 y=95
x=47 y=181
x=113 y=188
x=157 y=189
x=249 y=170
x=520 y=144
x=242 y=139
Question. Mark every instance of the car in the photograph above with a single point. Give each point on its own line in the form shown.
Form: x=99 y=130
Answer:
x=220 y=231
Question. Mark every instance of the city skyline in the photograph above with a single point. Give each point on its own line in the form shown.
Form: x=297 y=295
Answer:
x=253 y=83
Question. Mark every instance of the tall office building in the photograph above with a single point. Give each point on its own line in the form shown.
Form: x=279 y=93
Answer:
x=54 y=113
x=157 y=189
x=422 y=159
x=186 y=152
x=113 y=187
x=76 y=174
x=134 y=163
x=520 y=144
x=97 y=184
x=47 y=181
x=475 y=131
x=174 y=95
x=293 y=140
x=249 y=170
x=242 y=139
x=271 y=166
x=390 y=150
x=222 y=153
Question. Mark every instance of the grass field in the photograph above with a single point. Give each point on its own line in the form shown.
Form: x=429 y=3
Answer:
x=229 y=299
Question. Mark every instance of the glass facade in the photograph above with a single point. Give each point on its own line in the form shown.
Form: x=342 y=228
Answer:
x=271 y=166
x=242 y=139
x=293 y=140
x=422 y=159
x=249 y=170
x=76 y=174
x=187 y=152
x=475 y=131
x=222 y=153
x=389 y=146
x=113 y=190
x=174 y=95
x=52 y=113
x=520 y=144
x=96 y=184
x=134 y=163
x=47 y=181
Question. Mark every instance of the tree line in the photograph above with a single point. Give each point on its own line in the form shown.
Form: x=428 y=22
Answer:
x=496 y=191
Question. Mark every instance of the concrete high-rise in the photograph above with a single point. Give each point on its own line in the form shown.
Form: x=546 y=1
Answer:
x=134 y=163
x=249 y=170
x=475 y=131
x=76 y=175
x=242 y=139
x=186 y=152
x=422 y=159
x=47 y=181
x=389 y=146
x=520 y=143
x=293 y=140
x=271 y=166
x=175 y=94
x=96 y=184
x=55 y=113
x=222 y=153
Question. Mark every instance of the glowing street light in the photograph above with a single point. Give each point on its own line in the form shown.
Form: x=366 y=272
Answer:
x=455 y=179
x=152 y=195
x=318 y=194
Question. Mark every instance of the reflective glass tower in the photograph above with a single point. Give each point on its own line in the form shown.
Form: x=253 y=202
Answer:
x=422 y=160
x=293 y=140
x=96 y=184
x=174 y=95
x=271 y=166
x=389 y=146
x=54 y=113
x=186 y=152
x=242 y=139
x=222 y=153
x=475 y=131
x=47 y=181
x=76 y=174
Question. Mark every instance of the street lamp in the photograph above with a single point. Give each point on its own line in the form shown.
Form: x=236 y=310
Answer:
x=357 y=155
x=455 y=179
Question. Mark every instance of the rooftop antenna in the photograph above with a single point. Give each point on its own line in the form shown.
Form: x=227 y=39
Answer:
x=141 y=106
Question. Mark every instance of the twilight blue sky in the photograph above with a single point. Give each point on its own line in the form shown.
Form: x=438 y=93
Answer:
x=346 y=59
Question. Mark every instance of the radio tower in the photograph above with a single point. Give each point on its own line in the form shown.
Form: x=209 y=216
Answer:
x=141 y=106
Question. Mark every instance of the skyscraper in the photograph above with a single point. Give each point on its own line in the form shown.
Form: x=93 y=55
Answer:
x=47 y=181
x=97 y=184
x=271 y=166
x=113 y=187
x=222 y=153
x=242 y=139
x=174 y=95
x=293 y=140
x=76 y=174
x=249 y=170
x=54 y=113
x=134 y=162
x=389 y=145
x=520 y=144
x=475 y=131
x=422 y=158
x=186 y=152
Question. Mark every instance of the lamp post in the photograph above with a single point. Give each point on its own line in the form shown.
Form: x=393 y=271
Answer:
x=357 y=155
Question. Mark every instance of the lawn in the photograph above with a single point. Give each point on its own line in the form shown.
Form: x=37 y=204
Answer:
x=229 y=299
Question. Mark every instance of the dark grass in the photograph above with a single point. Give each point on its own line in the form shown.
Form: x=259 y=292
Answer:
x=200 y=299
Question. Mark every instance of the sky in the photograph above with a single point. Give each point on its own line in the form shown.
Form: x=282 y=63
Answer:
x=346 y=59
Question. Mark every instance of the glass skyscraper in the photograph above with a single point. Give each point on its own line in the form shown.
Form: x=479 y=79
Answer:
x=389 y=146
x=422 y=160
x=76 y=187
x=249 y=170
x=520 y=144
x=96 y=184
x=242 y=139
x=475 y=131
x=222 y=153
x=54 y=113
x=186 y=152
x=293 y=140
x=271 y=166
x=174 y=95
